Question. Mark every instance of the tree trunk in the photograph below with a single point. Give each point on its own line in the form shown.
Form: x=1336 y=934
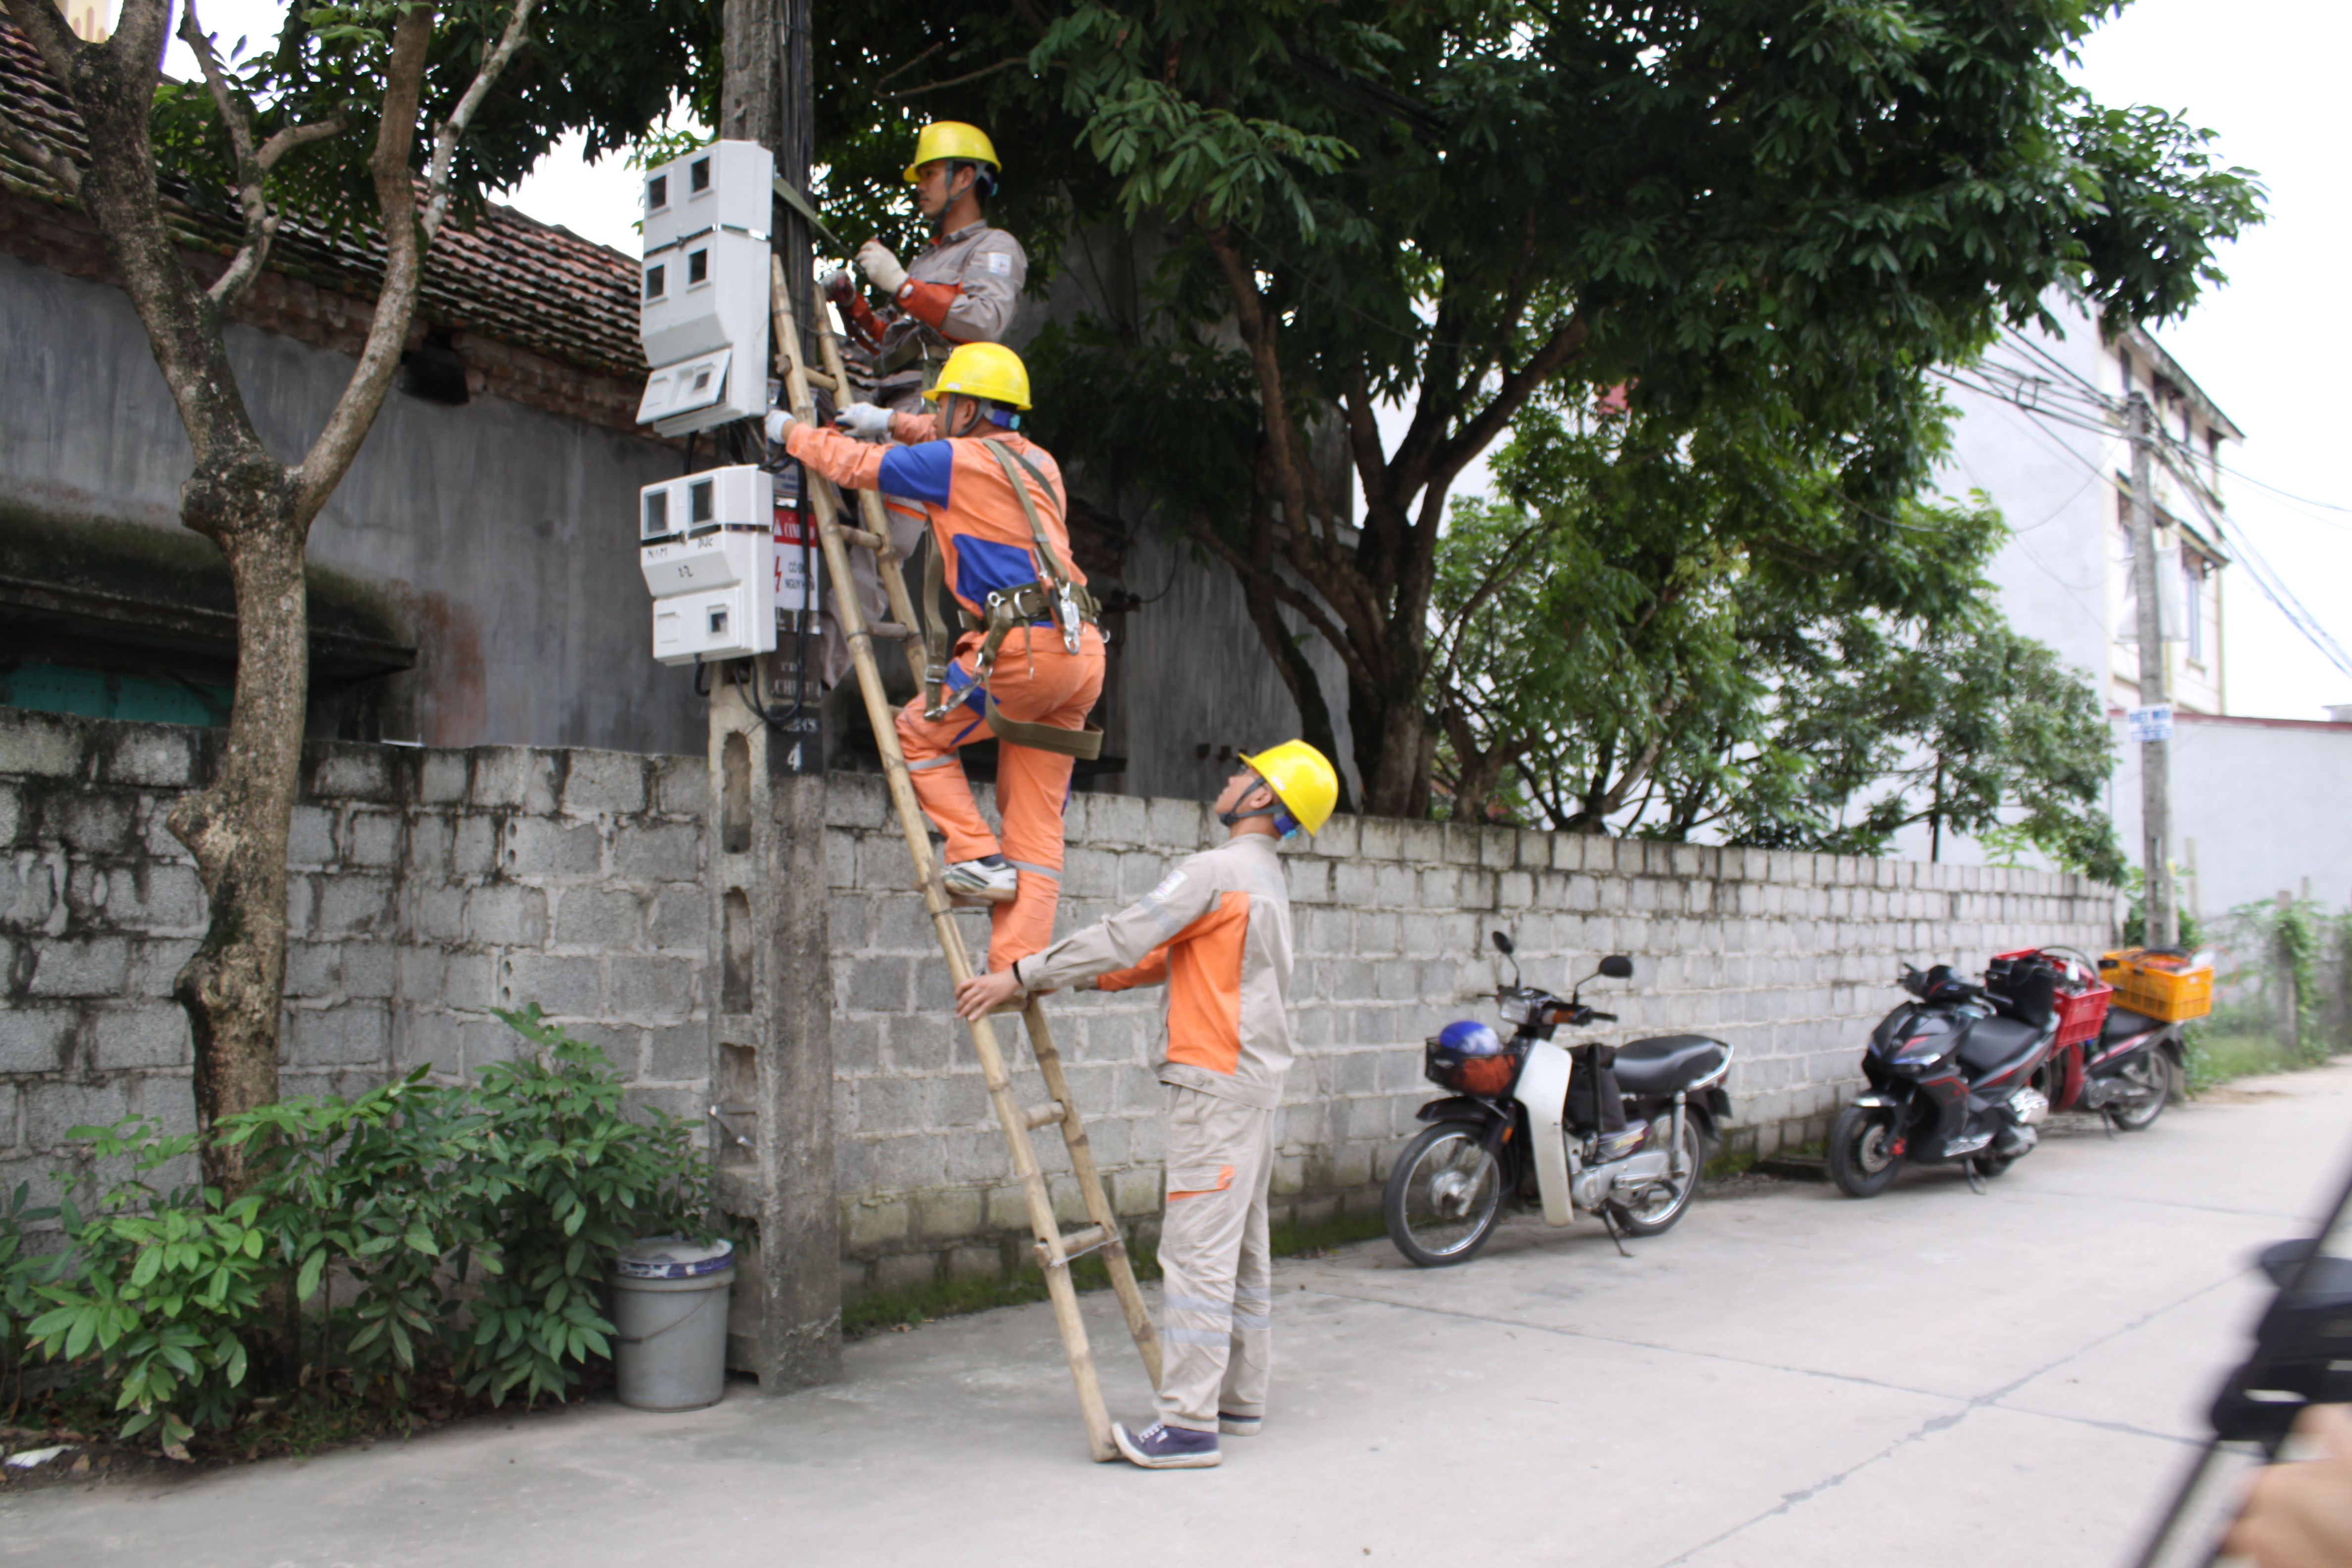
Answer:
x=237 y=826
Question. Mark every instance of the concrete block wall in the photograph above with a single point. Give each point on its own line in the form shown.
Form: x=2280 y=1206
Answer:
x=423 y=887
x=1790 y=957
x=429 y=885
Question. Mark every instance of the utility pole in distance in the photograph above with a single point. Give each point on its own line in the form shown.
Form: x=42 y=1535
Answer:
x=771 y=1003
x=2153 y=715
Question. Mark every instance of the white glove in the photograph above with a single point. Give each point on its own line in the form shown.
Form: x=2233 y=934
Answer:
x=780 y=424
x=867 y=421
x=875 y=259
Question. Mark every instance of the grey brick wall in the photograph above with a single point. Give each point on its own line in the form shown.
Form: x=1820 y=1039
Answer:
x=430 y=885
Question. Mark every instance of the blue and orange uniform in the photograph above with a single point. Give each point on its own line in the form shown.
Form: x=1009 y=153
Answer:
x=981 y=531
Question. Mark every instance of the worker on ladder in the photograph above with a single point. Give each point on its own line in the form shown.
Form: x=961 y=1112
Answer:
x=964 y=288
x=1028 y=664
x=1217 y=930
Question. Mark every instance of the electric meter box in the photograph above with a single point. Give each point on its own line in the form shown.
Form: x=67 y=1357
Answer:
x=706 y=545
x=702 y=295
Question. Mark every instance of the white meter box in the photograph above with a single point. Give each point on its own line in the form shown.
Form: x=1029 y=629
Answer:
x=706 y=545
x=703 y=289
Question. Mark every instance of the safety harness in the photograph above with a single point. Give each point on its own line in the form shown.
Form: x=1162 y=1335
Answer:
x=1065 y=603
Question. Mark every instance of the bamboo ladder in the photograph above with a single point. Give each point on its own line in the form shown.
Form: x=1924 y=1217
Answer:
x=1055 y=1248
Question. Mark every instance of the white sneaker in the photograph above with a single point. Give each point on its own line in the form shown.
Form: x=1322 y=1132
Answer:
x=991 y=879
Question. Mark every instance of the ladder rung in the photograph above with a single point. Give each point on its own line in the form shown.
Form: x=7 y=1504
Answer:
x=859 y=537
x=890 y=629
x=1078 y=1243
x=1044 y=1115
x=820 y=378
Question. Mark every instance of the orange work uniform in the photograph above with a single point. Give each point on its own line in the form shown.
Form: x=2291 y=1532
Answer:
x=982 y=536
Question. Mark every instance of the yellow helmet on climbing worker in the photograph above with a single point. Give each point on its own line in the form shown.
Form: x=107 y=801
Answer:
x=955 y=142
x=983 y=370
x=1302 y=779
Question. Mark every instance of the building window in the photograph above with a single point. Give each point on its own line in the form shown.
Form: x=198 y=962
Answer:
x=2192 y=599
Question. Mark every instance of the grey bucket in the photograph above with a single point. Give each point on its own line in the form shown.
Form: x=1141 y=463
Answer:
x=670 y=1305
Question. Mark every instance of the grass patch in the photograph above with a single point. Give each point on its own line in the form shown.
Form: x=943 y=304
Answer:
x=889 y=1311
x=2216 y=1058
x=1730 y=1162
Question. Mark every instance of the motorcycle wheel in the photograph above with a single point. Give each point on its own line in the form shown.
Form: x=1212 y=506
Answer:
x=1665 y=1205
x=2159 y=1074
x=1445 y=1196
x=1860 y=1162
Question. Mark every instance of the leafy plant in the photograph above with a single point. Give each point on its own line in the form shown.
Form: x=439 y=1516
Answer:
x=463 y=1228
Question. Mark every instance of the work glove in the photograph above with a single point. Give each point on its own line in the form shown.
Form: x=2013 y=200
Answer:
x=780 y=424
x=865 y=421
x=875 y=259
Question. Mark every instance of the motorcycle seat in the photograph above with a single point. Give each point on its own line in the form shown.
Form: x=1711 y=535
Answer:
x=1665 y=1063
x=2123 y=1023
x=1996 y=1043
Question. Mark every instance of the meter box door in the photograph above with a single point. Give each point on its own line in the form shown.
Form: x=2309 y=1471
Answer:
x=703 y=288
x=707 y=546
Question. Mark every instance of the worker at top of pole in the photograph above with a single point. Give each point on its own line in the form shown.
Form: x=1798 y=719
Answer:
x=964 y=287
x=1216 y=930
x=1028 y=665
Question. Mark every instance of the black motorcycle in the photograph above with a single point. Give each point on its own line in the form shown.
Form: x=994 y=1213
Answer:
x=1951 y=1078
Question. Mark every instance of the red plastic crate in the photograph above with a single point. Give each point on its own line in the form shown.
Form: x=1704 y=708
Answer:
x=2080 y=1014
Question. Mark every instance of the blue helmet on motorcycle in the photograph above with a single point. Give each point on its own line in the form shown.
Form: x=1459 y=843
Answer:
x=1470 y=1038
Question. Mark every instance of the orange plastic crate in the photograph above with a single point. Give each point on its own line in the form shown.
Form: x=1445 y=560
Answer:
x=2159 y=984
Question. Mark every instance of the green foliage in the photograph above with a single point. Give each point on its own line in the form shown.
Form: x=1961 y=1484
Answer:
x=1461 y=208
x=609 y=72
x=2134 y=886
x=2272 y=940
x=1670 y=630
x=466 y=1227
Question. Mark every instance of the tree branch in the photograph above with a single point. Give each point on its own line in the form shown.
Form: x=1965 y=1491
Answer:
x=260 y=223
x=1006 y=64
x=1451 y=457
x=1285 y=594
x=444 y=146
x=294 y=136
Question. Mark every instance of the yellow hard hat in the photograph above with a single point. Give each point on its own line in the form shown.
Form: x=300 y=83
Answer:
x=1302 y=778
x=983 y=370
x=951 y=138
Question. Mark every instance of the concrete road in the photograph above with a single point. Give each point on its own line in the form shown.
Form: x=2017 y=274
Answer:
x=1790 y=1378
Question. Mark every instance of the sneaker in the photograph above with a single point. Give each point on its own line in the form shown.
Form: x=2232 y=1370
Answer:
x=1239 y=1426
x=1161 y=1446
x=991 y=879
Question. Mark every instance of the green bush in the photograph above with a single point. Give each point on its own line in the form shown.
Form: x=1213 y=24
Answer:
x=466 y=1227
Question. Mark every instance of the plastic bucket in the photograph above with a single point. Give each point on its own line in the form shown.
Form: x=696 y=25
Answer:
x=669 y=1307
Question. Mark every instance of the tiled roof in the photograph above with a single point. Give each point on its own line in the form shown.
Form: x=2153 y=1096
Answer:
x=507 y=276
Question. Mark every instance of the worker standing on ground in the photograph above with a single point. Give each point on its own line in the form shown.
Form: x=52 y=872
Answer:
x=1028 y=666
x=964 y=288
x=1217 y=930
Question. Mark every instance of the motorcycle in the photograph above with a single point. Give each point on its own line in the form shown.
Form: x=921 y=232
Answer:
x=1618 y=1133
x=1951 y=1077
x=2128 y=1068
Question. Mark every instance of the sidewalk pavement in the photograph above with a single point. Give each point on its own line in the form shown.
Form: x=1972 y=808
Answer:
x=1789 y=1378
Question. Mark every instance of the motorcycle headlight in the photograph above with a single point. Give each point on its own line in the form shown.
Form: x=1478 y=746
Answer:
x=1518 y=1009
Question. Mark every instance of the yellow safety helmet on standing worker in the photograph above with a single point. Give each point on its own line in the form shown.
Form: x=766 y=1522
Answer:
x=1302 y=778
x=983 y=370
x=952 y=139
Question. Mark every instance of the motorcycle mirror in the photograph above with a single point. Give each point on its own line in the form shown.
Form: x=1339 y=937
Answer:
x=1617 y=966
x=1503 y=943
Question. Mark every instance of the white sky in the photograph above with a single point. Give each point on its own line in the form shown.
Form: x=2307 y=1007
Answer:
x=2264 y=348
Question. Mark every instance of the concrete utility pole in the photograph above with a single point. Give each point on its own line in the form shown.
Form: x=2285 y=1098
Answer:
x=771 y=1034
x=2163 y=924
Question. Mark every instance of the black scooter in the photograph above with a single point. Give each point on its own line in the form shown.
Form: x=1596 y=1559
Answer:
x=1951 y=1079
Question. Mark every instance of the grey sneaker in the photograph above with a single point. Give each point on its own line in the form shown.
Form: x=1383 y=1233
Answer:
x=1161 y=1446
x=991 y=879
x=1239 y=1426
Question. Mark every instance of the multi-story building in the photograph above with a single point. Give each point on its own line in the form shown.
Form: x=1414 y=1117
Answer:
x=2042 y=432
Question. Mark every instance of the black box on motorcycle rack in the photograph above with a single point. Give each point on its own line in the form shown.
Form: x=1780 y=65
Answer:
x=1487 y=1076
